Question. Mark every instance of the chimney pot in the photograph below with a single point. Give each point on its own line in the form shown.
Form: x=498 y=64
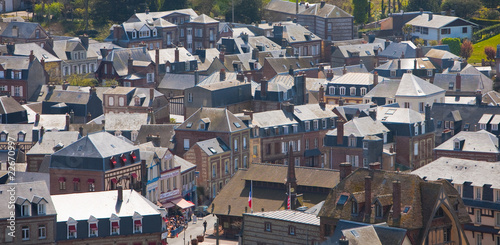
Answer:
x=374 y=166
x=120 y=193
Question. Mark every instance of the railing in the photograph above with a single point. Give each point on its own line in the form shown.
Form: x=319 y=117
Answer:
x=177 y=105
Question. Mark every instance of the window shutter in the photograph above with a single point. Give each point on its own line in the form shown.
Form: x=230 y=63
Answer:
x=282 y=147
x=12 y=92
x=298 y=145
x=356 y=161
x=347 y=158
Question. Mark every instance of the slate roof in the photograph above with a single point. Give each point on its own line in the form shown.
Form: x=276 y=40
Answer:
x=101 y=205
x=437 y=21
x=285 y=6
x=165 y=131
x=395 y=50
x=360 y=127
x=215 y=78
x=469 y=82
x=386 y=88
x=313 y=111
x=385 y=235
x=282 y=64
x=474 y=141
x=288 y=216
x=270 y=199
x=168 y=54
x=354 y=78
x=210 y=55
x=9 y=105
x=70 y=97
x=441 y=54
x=52 y=122
x=32 y=191
x=421 y=196
x=491 y=98
x=178 y=81
x=297 y=33
x=273 y=118
x=25 y=50
x=221 y=120
x=362 y=50
x=469 y=114
x=50 y=139
x=96 y=145
x=459 y=171
x=253 y=41
x=216 y=144
x=412 y=85
x=125 y=121
x=120 y=57
x=25 y=29
x=156 y=15
x=399 y=115
x=15 y=62
x=203 y=18
x=407 y=64
x=326 y=11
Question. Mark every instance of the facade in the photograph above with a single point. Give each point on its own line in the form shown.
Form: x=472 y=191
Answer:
x=283 y=226
x=47 y=145
x=327 y=21
x=11 y=111
x=415 y=93
x=396 y=68
x=20 y=76
x=436 y=27
x=280 y=89
x=356 y=54
x=33 y=212
x=82 y=106
x=473 y=145
x=476 y=183
x=303 y=41
x=125 y=217
x=431 y=212
x=351 y=87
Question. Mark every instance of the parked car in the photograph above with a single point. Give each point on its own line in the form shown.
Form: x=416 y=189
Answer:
x=201 y=211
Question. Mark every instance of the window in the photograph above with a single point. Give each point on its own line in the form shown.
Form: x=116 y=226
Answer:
x=353 y=91
x=111 y=101
x=479 y=239
x=295 y=128
x=91 y=185
x=76 y=184
x=354 y=207
x=62 y=183
x=121 y=101
x=137 y=225
x=331 y=90
x=72 y=230
x=115 y=227
x=352 y=141
x=379 y=213
x=20 y=136
x=363 y=91
x=93 y=229
x=429 y=73
x=478 y=216
x=42 y=232
x=316 y=124
x=416 y=29
x=478 y=191
x=459 y=189
x=26 y=233
x=323 y=123
x=494 y=127
x=267 y=226
x=423 y=127
x=445 y=31
x=236 y=164
x=456 y=145
x=497 y=194
x=190 y=97
x=307 y=125
x=245 y=162
x=393 y=73
x=421 y=107
x=329 y=26
x=186 y=144
x=407 y=104
x=150 y=77
x=482 y=126
x=235 y=145
x=342 y=90
x=244 y=142
x=416 y=129
x=285 y=129
x=425 y=30
x=497 y=219
x=365 y=145
x=182 y=32
x=291 y=230
x=41 y=208
x=465 y=30
x=415 y=149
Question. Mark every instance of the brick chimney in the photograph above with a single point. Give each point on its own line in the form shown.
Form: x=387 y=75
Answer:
x=399 y=64
x=221 y=54
x=427 y=113
x=368 y=196
x=415 y=64
x=80 y=130
x=321 y=96
x=68 y=118
x=176 y=54
x=130 y=65
x=263 y=87
x=344 y=70
x=117 y=32
x=84 y=39
x=37 y=119
x=396 y=201
x=120 y=194
x=65 y=85
x=374 y=166
x=151 y=94
x=402 y=55
x=345 y=170
x=42 y=62
x=479 y=97
x=340 y=131
x=458 y=82
x=240 y=77
x=248 y=113
x=290 y=71
x=222 y=75
x=375 y=78
x=329 y=75
x=32 y=56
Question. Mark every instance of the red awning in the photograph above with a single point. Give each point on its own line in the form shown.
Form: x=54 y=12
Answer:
x=91 y=181
x=72 y=228
x=124 y=158
x=115 y=225
x=62 y=179
x=134 y=175
x=114 y=180
x=190 y=202
x=132 y=154
x=93 y=227
x=113 y=160
x=76 y=179
x=182 y=203
x=137 y=222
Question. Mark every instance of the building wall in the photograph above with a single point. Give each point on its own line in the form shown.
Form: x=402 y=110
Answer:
x=34 y=162
x=254 y=232
x=415 y=101
x=405 y=150
x=69 y=175
x=32 y=223
x=478 y=156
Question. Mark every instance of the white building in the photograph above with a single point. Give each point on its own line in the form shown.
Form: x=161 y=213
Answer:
x=436 y=27
x=414 y=93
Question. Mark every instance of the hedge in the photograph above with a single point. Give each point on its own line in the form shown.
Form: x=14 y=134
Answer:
x=486 y=33
x=485 y=22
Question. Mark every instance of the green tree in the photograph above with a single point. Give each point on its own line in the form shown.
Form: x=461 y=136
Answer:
x=466 y=49
x=81 y=80
x=246 y=11
x=426 y=5
x=463 y=8
x=55 y=9
x=110 y=83
x=419 y=41
x=407 y=30
x=490 y=3
x=360 y=11
x=453 y=43
x=174 y=4
x=433 y=42
x=104 y=11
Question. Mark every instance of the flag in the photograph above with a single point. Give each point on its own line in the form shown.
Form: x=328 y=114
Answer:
x=250 y=196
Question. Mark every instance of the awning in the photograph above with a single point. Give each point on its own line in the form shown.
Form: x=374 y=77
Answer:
x=114 y=180
x=90 y=180
x=93 y=227
x=168 y=205
x=72 y=228
x=137 y=222
x=182 y=203
x=134 y=175
x=76 y=179
x=312 y=153
x=115 y=225
x=62 y=179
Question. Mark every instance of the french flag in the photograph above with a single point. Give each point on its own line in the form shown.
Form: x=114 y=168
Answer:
x=250 y=197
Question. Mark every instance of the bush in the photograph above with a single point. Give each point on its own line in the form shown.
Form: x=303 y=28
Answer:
x=453 y=43
x=485 y=22
x=490 y=52
x=486 y=33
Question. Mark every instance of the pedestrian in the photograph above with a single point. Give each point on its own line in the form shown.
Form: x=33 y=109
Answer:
x=204 y=227
x=194 y=218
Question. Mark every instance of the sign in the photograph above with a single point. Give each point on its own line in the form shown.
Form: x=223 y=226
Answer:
x=169 y=175
x=168 y=195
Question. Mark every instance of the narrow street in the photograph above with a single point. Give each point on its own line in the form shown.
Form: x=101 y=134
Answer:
x=194 y=230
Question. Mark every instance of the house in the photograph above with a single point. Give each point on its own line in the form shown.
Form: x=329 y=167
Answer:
x=393 y=24
x=429 y=211
x=96 y=162
x=137 y=100
x=24 y=32
x=11 y=111
x=188 y=178
x=384 y=93
x=472 y=145
x=356 y=54
x=363 y=233
x=441 y=59
x=24 y=135
x=328 y=21
x=396 y=68
x=404 y=49
x=175 y=60
x=106 y=217
x=49 y=143
x=279 y=10
x=20 y=76
x=415 y=93
x=29 y=215
x=476 y=183
x=351 y=87
x=287 y=226
x=126 y=125
x=273 y=66
x=281 y=88
x=303 y=41
x=82 y=106
x=463 y=85
x=174 y=85
x=246 y=43
x=436 y=27
x=309 y=186
x=161 y=135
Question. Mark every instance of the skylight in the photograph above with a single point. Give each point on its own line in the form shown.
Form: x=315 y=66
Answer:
x=355 y=233
x=189 y=125
x=292 y=37
x=406 y=210
x=390 y=112
x=342 y=200
x=237 y=124
x=211 y=149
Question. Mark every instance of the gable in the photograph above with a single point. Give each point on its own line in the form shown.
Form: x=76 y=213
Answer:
x=458 y=22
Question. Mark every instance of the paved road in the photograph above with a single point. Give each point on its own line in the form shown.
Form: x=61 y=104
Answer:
x=194 y=230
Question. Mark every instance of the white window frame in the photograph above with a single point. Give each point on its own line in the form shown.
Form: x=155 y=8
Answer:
x=477 y=218
x=25 y=210
x=478 y=193
x=25 y=233
x=42 y=232
x=342 y=90
x=41 y=208
x=112 y=231
x=415 y=149
x=363 y=91
x=186 y=144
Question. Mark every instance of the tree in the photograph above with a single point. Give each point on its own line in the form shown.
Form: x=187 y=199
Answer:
x=81 y=80
x=490 y=53
x=426 y=5
x=360 y=11
x=466 y=49
x=463 y=8
x=110 y=83
x=490 y=3
x=407 y=30
x=433 y=42
x=246 y=11
x=419 y=41
x=453 y=43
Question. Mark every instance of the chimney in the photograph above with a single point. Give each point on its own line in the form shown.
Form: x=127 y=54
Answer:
x=402 y=55
x=321 y=96
x=290 y=71
x=360 y=63
x=130 y=65
x=84 y=39
x=386 y=43
x=419 y=52
x=80 y=130
x=345 y=170
x=93 y=91
x=479 y=97
x=176 y=54
x=344 y=70
x=263 y=87
x=287 y=107
x=329 y=75
x=427 y=113
x=202 y=53
x=42 y=132
x=151 y=94
x=399 y=64
x=117 y=32
x=374 y=166
x=65 y=85
x=415 y=64
x=322 y=4
x=147 y=10
x=89 y=117
x=341 y=101
x=68 y=118
x=37 y=119
x=373 y=113
x=32 y=56
x=375 y=78
x=396 y=201
x=120 y=194
x=458 y=82
x=196 y=77
x=72 y=116
x=240 y=77
x=291 y=180
x=11 y=47
x=255 y=53
x=157 y=60
x=155 y=139
x=343 y=241
x=222 y=75
x=42 y=62
x=221 y=54
x=368 y=196
x=248 y=113
x=104 y=53
x=430 y=16
x=340 y=131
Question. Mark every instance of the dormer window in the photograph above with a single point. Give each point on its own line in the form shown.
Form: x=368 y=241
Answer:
x=307 y=125
x=155 y=32
x=416 y=128
x=456 y=144
x=137 y=218
x=352 y=141
x=137 y=101
x=72 y=226
x=354 y=207
x=115 y=224
x=134 y=34
x=379 y=211
x=41 y=208
x=20 y=136
x=3 y=136
x=93 y=226
x=25 y=209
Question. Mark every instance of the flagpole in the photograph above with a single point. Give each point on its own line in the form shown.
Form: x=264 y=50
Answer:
x=251 y=195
